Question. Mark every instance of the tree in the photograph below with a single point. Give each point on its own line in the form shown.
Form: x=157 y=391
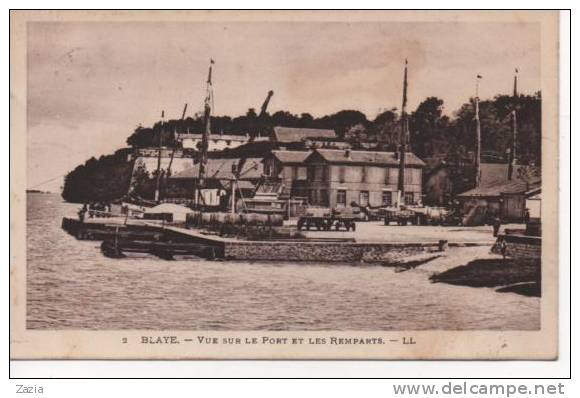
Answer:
x=386 y=129
x=428 y=128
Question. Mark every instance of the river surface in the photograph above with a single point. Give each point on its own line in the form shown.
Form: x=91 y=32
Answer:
x=71 y=285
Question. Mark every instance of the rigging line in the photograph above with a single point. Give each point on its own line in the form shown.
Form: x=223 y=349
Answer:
x=47 y=181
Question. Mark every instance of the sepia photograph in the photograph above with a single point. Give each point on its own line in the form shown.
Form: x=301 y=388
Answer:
x=284 y=185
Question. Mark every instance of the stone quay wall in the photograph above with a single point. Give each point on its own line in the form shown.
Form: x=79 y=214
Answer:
x=521 y=246
x=348 y=252
x=524 y=250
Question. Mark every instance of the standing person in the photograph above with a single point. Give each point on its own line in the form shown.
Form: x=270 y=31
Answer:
x=82 y=213
x=526 y=216
x=496 y=225
x=503 y=249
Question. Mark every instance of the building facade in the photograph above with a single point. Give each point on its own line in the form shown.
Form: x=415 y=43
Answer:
x=497 y=196
x=338 y=178
x=288 y=167
x=217 y=142
x=219 y=177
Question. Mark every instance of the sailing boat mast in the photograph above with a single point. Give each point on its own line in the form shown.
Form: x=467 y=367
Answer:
x=477 y=158
x=512 y=154
x=158 y=183
x=403 y=141
x=208 y=103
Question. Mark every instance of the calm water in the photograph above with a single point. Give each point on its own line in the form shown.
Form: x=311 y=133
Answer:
x=72 y=286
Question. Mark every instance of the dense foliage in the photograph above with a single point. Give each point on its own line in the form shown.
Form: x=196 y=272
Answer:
x=99 y=180
x=431 y=132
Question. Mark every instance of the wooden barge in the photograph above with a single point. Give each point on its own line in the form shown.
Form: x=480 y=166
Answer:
x=104 y=230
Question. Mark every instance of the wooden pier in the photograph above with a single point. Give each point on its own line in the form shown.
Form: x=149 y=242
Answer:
x=167 y=241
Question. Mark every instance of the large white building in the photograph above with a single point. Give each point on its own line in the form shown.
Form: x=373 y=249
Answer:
x=217 y=142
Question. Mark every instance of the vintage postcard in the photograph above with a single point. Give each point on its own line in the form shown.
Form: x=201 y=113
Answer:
x=284 y=184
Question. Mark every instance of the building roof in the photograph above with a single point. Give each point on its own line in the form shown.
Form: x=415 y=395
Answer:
x=291 y=156
x=515 y=186
x=494 y=173
x=294 y=134
x=367 y=157
x=221 y=169
x=494 y=182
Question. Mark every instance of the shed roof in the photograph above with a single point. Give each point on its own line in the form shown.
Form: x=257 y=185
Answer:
x=367 y=157
x=221 y=169
x=291 y=156
x=296 y=134
x=496 y=189
x=494 y=182
x=494 y=173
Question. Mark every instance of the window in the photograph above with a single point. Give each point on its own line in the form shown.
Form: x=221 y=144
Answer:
x=310 y=173
x=417 y=176
x=363 y=198
x=324 y=197
x=363 y=177
x=341 y=173
x=323 y=173
x=294 y=173
x=387 y=198
x=341 y=197
x=312 y=197
x=408 y=176
x=393 y=176
x=409 y=198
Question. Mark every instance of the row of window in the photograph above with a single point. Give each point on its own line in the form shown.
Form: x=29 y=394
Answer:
x=322 y=173
x=321 y=197
x=388 y=198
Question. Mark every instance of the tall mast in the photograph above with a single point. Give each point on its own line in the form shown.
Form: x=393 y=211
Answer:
x=208 y=103
x=477 y=158
x=403 y=141
x=512 y=154
x=158 y=183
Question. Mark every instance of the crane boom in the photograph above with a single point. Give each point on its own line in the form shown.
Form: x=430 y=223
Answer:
x=174 y=146
x=184 y=110
x=252 y=136
x=253 y=133
x=265 y=105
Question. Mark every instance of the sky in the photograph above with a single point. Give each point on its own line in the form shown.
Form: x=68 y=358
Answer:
x=91 y=83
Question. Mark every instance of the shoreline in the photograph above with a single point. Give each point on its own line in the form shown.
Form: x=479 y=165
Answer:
x=508 y=276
